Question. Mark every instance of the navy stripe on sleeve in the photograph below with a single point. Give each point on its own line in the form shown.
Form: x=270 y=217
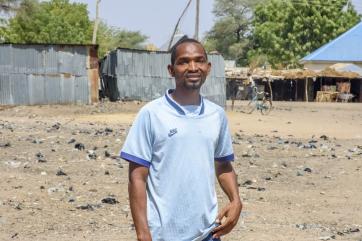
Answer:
x=225 y=158
x=132 y=158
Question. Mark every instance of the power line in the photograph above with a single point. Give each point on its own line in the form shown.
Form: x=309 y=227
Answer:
x=178 y=22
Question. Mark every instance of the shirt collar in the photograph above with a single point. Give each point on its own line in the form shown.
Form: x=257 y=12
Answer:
x=178 y=107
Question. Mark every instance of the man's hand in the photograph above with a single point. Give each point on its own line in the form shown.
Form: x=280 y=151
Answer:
x=227 y=218
x=144 y=237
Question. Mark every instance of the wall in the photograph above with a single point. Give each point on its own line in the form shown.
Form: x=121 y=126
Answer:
x=143 y=75
x=45 y=74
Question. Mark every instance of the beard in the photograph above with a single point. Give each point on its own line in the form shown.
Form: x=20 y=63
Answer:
x=193 y=85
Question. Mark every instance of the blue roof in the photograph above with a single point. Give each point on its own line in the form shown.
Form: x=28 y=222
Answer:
x=345 y=48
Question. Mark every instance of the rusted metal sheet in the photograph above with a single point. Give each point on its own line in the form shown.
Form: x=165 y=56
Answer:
x=93 y=74
x=47 y=74
x=143 y=75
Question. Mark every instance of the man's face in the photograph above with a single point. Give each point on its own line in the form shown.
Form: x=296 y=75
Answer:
x=191 y=66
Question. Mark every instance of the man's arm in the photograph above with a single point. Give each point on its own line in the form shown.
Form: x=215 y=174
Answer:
x=138 y=200
x=229 y=215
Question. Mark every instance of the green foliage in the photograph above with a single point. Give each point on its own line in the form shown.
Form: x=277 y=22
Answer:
x=62 y=22
x=55 y=21
x=110 y=38
x=6 y=8
x=230 y=35
x=287 y=30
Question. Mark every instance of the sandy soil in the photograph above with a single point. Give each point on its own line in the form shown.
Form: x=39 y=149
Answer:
x=299 y=171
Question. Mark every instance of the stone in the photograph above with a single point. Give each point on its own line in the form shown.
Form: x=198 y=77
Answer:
x=5 y=145
x=61 y=173
x=327 y=237
x=110 y=200
x=13 y=164
x=109 y=130
x=79 y=146
x=71 y=141
x=89 y=207
x=40 y=157
x=107 y=154
x=247 y=182
x=92 y=154
x=299 y=174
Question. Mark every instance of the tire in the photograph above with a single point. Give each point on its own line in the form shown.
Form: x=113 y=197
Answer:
x=266 y=107
x=250 y=107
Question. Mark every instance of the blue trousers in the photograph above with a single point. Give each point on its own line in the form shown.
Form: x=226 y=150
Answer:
x=209 y=238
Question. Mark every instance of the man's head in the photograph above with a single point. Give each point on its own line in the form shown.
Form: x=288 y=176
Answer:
x=189 y=64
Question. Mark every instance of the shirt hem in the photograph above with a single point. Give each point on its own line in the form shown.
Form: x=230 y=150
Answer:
x=227 y=158
x=131 y=158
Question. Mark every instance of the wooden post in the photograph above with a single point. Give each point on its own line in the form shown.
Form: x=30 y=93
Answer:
x=197 y=21
x=321 y=83
x=306 y=89
x=96 y=23
x=270 y=88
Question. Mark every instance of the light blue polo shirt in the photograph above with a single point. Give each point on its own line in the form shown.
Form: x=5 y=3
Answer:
x=179 y=146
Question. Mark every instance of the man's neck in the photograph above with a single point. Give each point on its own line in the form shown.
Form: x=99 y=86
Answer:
x=186 y=97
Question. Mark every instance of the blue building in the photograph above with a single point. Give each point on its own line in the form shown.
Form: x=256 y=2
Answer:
x=344 y=54
x=346 y=48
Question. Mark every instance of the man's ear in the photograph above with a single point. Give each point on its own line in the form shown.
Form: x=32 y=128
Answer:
x=171 y=71
x=208 y=68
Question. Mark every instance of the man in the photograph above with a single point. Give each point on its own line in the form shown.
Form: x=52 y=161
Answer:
x=175 y=146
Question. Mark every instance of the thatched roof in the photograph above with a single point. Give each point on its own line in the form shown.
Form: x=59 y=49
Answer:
x=242 y=73
x=295 y=73
x=330 y=72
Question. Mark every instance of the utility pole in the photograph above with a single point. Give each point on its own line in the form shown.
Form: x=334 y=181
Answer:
x=178 y=22
x=197 y=22
x=96 y=23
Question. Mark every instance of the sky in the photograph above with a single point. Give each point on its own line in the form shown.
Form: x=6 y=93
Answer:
x=157 y=18
x=154 y=18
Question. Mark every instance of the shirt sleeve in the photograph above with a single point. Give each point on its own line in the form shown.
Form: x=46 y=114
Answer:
x=138 y=145
x=224 y=148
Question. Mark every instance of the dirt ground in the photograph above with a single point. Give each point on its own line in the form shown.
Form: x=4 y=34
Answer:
x=299 y=171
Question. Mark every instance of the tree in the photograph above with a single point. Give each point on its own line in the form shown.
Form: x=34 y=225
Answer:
x=7 y=7
x=55 y=21
x=287 y=30
x=62 y=22
x=230 y=35
x=110 y=38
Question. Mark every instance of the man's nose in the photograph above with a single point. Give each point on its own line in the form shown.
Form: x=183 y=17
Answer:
x=192 y=66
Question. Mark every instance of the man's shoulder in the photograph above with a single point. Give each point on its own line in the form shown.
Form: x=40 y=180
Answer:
x=152 y=106
x=211 y=107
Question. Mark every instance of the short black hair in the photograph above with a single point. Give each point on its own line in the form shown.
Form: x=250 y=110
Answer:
x=184 y=39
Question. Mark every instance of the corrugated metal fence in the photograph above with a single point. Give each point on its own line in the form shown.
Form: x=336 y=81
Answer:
x=143 y=75
x=44 y=74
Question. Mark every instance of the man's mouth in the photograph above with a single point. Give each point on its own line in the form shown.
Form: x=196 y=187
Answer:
x=193 y=77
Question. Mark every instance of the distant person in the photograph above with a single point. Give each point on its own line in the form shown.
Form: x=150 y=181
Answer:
x=175 y=147
x=234 y=89
x=251 y=87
